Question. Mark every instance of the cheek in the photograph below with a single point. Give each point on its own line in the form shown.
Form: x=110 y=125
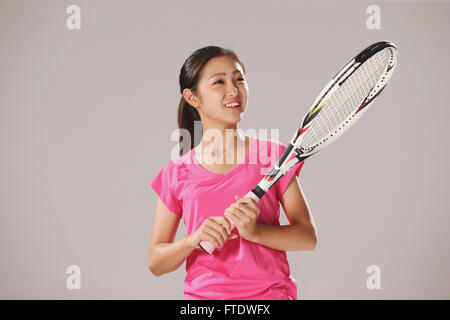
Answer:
x=213 y=96
x=217 y=91
x=244 y=89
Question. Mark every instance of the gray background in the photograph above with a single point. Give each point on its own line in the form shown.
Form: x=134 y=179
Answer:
x=87 y=117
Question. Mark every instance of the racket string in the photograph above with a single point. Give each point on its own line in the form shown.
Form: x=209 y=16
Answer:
x=346 y=99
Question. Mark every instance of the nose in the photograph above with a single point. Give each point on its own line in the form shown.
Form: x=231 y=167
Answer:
x=232 y=91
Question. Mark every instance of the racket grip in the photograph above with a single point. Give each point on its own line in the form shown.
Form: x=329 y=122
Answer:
x=208 y=246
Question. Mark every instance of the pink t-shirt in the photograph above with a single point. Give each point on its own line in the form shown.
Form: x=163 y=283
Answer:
x=241 y=269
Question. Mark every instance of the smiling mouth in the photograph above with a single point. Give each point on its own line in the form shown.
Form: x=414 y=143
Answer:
x=233 y=106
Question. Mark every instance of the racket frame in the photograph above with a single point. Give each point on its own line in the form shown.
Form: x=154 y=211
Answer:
x=294 y=152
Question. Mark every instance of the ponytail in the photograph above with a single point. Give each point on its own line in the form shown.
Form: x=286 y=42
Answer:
x=187 y=115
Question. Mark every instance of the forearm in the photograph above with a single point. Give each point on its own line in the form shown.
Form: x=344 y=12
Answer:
x=293 y=237
x=167 y=257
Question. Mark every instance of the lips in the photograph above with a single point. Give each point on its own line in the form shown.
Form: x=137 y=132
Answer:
x=233 y=105
x=234 y=101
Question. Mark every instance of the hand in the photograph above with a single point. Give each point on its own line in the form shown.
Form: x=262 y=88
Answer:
x=244 y=213
x=213 y=229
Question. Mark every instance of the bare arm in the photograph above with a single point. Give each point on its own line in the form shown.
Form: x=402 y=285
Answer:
x=301 y=234
x=164 y=255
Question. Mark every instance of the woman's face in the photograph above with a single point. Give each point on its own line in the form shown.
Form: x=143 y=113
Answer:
x=222 y=82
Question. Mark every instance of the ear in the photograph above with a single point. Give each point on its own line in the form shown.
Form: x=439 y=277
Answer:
x=191 y=98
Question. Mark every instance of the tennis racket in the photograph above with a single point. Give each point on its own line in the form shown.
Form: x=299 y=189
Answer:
x=343 y=100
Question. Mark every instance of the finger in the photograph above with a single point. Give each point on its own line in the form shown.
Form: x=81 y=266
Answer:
x=246 y=200
x=245 y=214
x=220 y=222
x=219 y=232
x=244 y=217
x=210 y=235
x=250 y=202
x=217 y=239
x=230 y=215
x=222 y=232
x=238 y=206
x=236 y=216
x=225 y=222
x=221 y=228
x=246 y=210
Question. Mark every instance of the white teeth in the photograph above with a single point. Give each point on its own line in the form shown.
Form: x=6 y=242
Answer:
x=232 y=104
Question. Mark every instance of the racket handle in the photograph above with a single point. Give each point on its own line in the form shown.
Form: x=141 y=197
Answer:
x=208 y=246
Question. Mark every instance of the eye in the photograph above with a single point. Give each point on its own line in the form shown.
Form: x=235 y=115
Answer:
x=239 y=79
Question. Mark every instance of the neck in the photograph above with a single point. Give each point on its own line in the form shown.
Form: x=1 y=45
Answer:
x=219 y=141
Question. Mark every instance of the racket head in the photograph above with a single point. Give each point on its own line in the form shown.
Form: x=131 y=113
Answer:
x=341 y=102
x=345 y=98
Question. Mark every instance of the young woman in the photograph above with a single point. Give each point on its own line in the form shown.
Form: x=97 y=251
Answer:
x=205 y=186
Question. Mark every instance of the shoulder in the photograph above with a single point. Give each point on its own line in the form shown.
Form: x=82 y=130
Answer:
x=178 y=166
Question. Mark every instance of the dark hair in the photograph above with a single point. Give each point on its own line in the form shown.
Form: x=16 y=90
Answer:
x=189 y=76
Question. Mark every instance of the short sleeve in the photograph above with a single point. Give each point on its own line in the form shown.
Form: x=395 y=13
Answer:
x=165 y=185
x=283 y=182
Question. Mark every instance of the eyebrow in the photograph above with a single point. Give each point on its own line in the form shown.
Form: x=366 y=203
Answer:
x=223 y=73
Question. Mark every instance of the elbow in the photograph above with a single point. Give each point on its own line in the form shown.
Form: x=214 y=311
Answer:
x=154 y=270
x=313 y=243
x=308 y=238
x=309 y=245
x=152 y=267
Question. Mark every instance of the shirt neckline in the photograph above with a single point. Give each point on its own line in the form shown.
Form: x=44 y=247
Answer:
x=239 y=167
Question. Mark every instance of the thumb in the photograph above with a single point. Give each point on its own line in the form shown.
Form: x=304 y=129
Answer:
x=234 y=236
